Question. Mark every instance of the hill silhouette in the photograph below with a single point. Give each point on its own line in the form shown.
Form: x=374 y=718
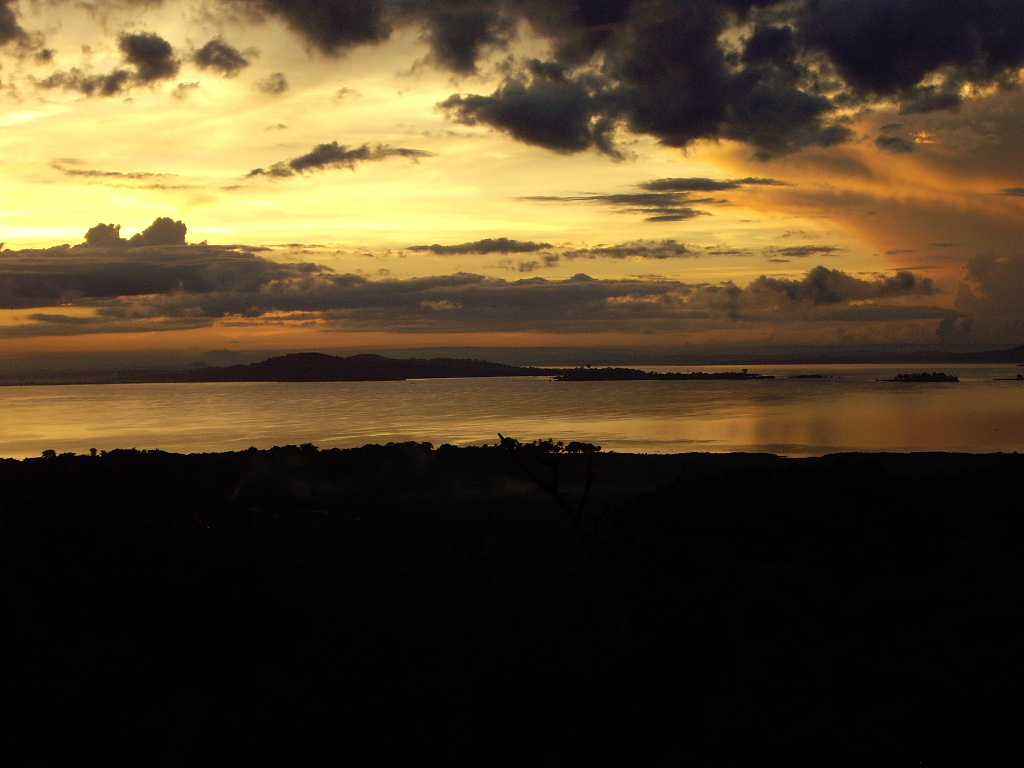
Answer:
x=315 y=366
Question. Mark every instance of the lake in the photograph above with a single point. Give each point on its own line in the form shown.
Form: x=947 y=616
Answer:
x=849 y=411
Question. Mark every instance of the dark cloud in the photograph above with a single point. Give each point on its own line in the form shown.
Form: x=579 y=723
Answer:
x=487 y=245
x=637 y=249
x=764 y=72
x=458 y=38
x=10 y=29
x=658 y=206
x=93 y=173
x=931 y=99
x=274 y=84
x=153 y=281
x=1013 y=192
x=544 y=106
x=110 y=84
x=992 y=295
x=163 y=231
x=803 y=251
x=823 y=286
x=48 y=324
x=154 y=262
x=894 y=144
x=151 y=55
x=699 y=184
x=221 y=56
x=334 y=155
x=105 y=236
x=888 y=48
x=331 y=26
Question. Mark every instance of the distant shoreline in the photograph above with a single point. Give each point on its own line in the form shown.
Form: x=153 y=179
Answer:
x=318 y=367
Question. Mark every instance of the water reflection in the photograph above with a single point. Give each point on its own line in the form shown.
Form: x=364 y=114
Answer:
x=851 y=411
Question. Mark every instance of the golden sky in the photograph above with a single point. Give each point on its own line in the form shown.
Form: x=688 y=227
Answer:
x=381 y=174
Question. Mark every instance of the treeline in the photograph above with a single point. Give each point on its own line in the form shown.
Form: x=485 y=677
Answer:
x=512 y=605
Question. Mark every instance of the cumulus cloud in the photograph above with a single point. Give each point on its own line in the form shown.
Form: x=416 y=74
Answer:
x=334 y=155
x=768 y=73
x=889 y=48
x=545 y=106
x=154 y=262
x=151 y=57
x=487 y=245
x=458 y=38
x=219 y=55
x=331 y=26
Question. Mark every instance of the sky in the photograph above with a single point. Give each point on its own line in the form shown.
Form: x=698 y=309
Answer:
x=383 y=174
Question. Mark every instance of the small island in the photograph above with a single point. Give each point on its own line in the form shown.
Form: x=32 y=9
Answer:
x=927 y=378
x=634 y=374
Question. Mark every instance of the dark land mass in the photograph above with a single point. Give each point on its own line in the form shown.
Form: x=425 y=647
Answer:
x=67 y=368
x=512 y=605
x=633 y=374
x=312 y=366
x=299 y=366
x=924 y=378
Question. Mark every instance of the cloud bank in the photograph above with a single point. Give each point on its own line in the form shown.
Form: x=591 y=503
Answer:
x=773 y=74
x=156 y=279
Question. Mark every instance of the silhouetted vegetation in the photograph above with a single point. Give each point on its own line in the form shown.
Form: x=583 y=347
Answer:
x=514 y=605
x=942 y=378
x=633 y=374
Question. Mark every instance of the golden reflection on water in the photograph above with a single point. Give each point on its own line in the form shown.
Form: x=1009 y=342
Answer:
x=852 y=412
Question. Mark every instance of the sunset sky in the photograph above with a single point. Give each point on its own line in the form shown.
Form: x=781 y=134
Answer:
x=382 y=174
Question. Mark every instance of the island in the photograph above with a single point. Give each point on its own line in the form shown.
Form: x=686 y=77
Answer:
x=634 y=374
x=927 y=378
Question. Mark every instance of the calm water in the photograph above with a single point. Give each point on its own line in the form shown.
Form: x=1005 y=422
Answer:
x=796 y=417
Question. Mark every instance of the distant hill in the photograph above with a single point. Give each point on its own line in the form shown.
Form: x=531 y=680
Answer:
x=314 y=366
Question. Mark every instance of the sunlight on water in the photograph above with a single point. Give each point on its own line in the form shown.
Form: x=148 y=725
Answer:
x=797 y=417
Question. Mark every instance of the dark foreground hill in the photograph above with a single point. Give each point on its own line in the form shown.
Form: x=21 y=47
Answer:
x=401 y=604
